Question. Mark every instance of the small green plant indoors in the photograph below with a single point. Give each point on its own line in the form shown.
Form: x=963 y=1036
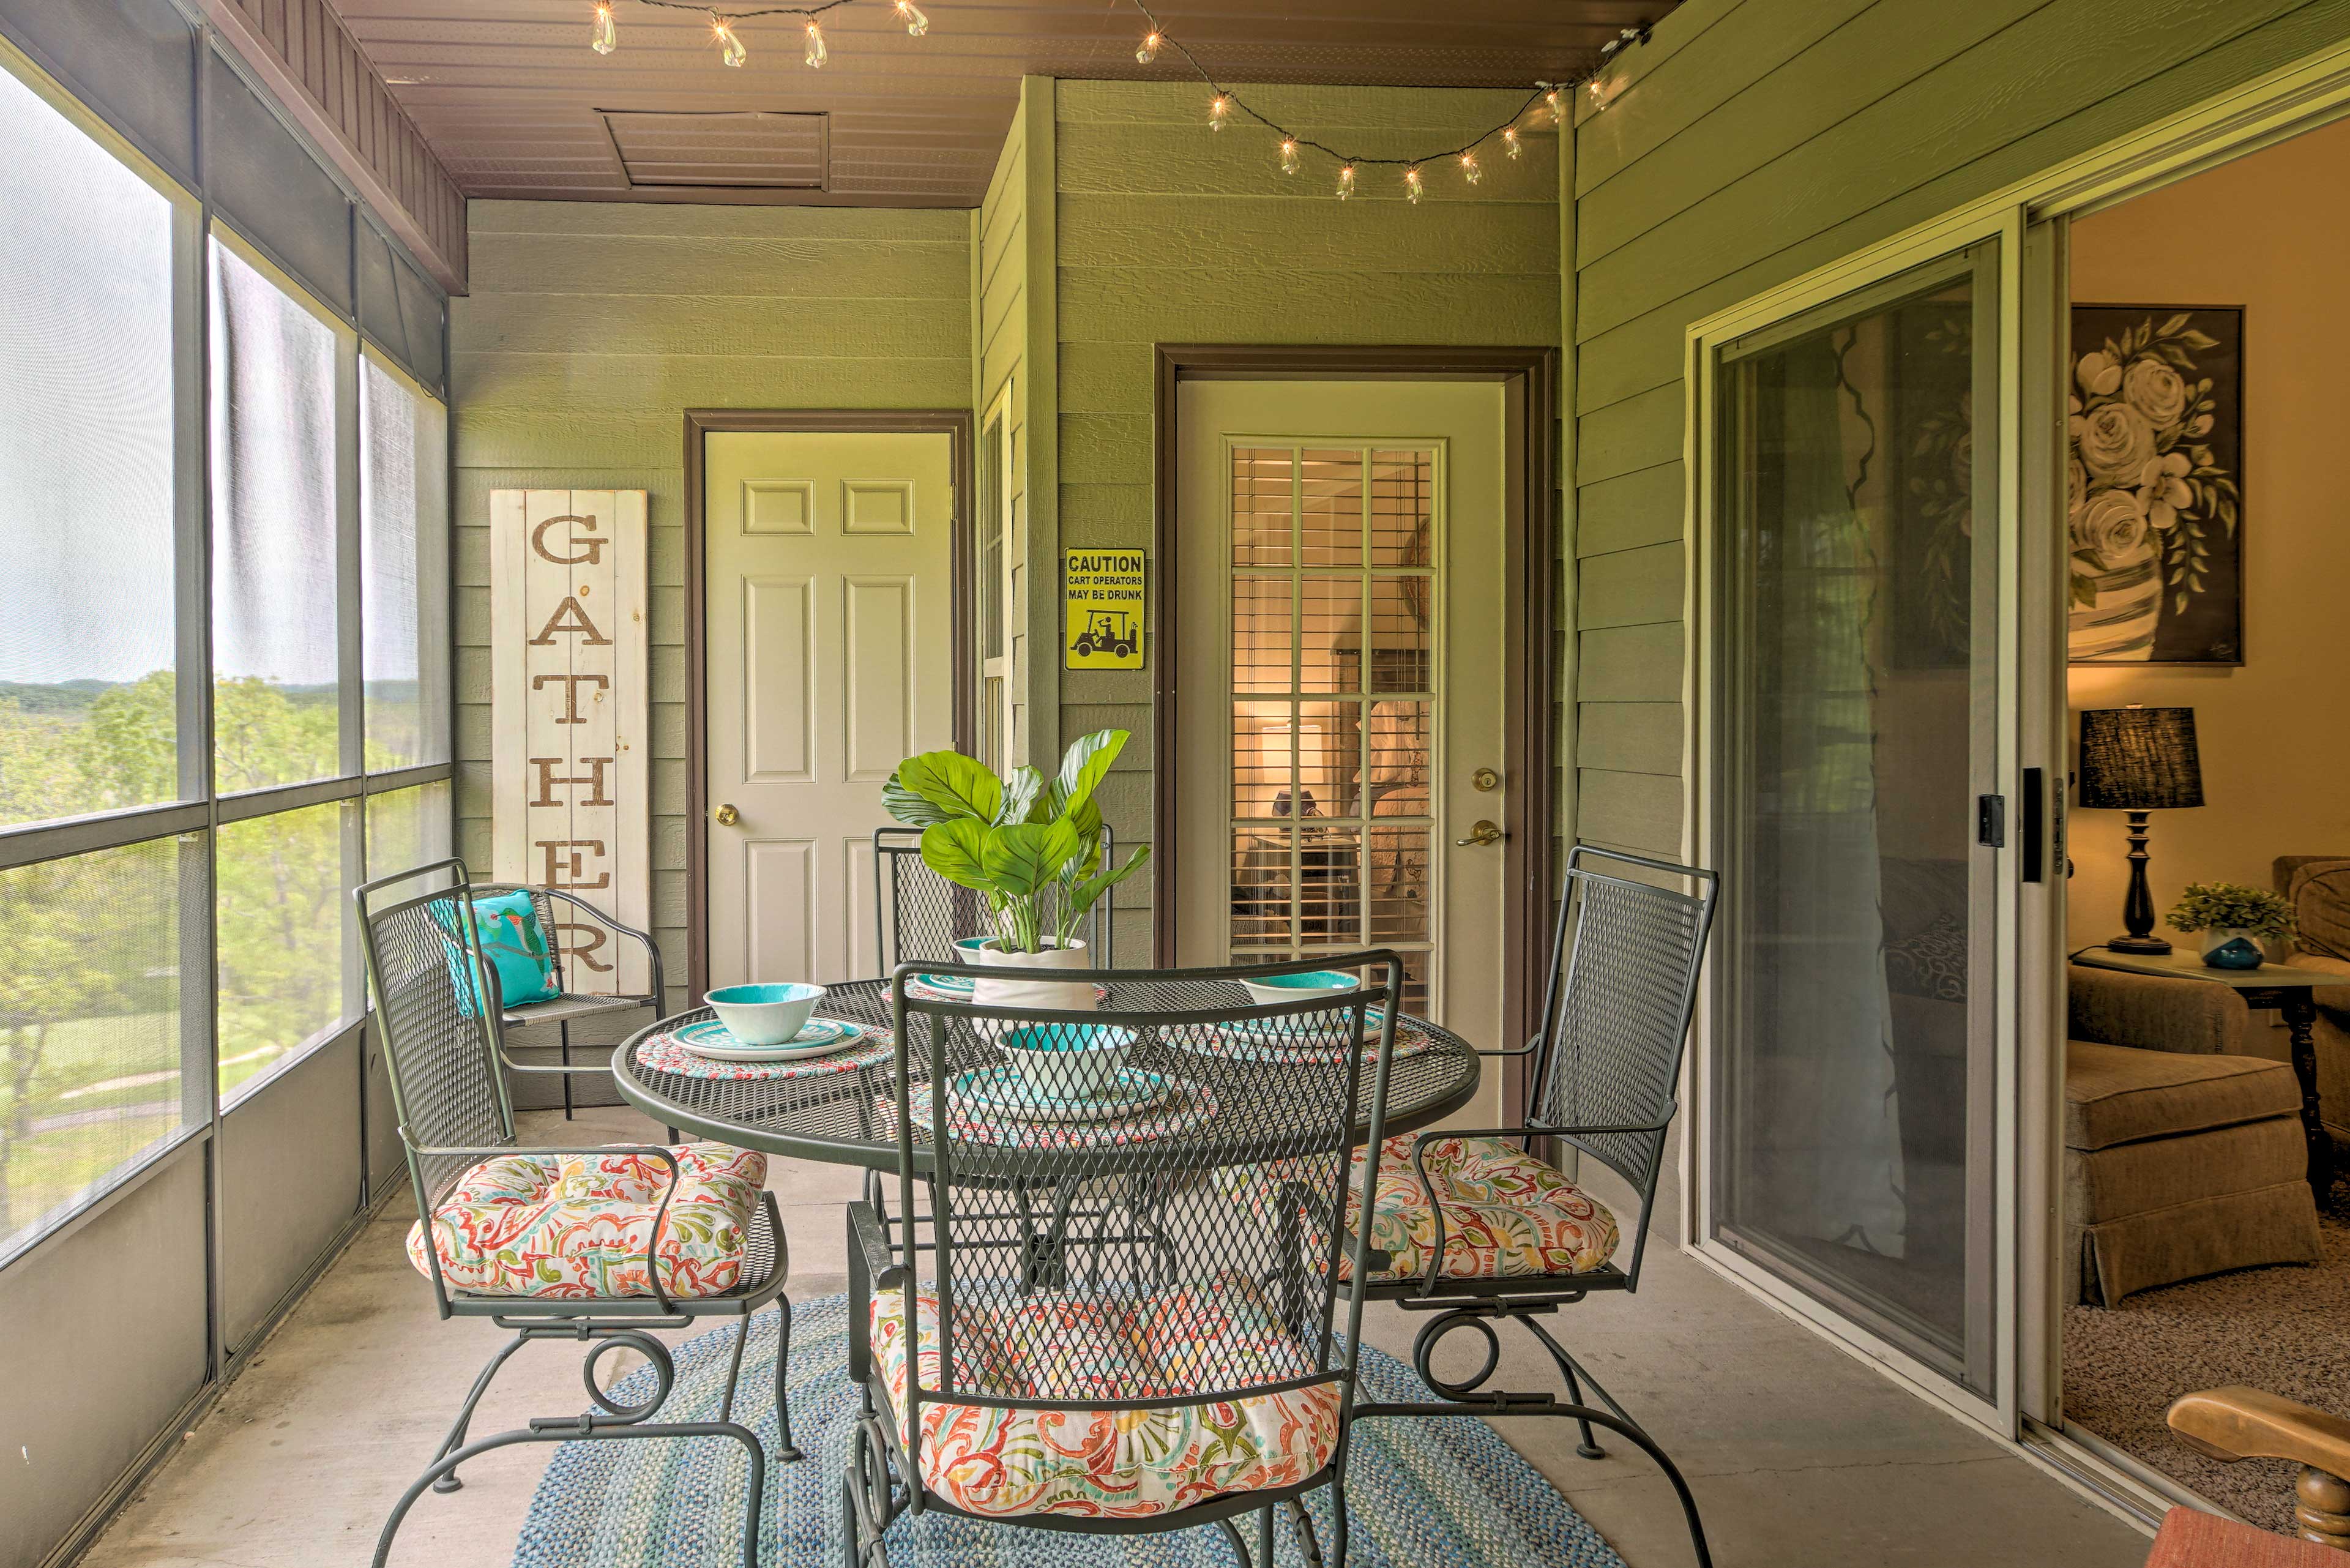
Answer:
x=2232 y=906
x=1032 y=848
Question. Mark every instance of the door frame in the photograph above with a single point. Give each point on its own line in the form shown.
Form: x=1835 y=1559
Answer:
x=956 y=424
x=1531 y=536
x=2274 y=106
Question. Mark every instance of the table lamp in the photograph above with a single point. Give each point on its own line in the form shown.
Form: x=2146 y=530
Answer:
x=2138 y=759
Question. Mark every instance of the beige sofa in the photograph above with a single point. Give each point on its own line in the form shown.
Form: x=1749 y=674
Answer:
x=2318 y=887
x=2183 y=1153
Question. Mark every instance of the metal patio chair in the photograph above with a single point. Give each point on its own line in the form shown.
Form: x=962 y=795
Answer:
x=545 y=1241
x=1478 y=1227
x=1091 y=1282
x=919 y=915
x=560 y=908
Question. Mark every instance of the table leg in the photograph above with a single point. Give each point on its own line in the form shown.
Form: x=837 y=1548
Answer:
x=2300 y=1010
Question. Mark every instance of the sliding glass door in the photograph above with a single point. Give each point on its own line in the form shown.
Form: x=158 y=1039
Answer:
x=1853 y=720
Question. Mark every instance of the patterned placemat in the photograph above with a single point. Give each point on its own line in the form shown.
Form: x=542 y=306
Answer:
x=1190 y=1105
x=922 y=991
x=1408 y=1042
x=663 y=1054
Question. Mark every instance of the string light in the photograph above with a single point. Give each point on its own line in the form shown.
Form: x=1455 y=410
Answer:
x=725 y=24
x=729 y=48
x=1221 y=105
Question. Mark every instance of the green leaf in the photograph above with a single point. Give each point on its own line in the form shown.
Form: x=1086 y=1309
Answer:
x=1026 y=857
x=2195 y=339
x=955 y=849
x=953 y=785
x=1019 y=793
x=2170 y=328
x=1088 y=892
x=1083 y=767
x=909 y=807
x=2085 y=592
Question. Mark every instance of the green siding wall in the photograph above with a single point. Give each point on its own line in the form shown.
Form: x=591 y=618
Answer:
x=592 y=327
x=1172 y=233
x=1752 y=141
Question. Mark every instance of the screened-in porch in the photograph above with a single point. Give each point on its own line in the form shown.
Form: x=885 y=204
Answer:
x=945 y=783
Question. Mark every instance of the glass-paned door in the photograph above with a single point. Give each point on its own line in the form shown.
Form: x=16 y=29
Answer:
x=1334 y=674
x=1854 y=714
x=992 y=574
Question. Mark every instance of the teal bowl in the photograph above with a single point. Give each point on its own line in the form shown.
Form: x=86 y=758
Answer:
x=763 y=1014
x=1067 y=1060
x=1298 y=987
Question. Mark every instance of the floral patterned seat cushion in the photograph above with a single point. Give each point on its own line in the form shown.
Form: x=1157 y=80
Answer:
x=576 y=1226
x=1506 y=1214
x=1006 y=1463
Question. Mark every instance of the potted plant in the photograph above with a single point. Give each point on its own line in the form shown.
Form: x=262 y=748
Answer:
x=2233 y=920
x=1030 y=847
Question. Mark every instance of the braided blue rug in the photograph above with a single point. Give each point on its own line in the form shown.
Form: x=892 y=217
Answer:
x=1446 y=1492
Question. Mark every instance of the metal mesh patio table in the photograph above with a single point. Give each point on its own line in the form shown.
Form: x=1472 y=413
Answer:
x=839 y=1117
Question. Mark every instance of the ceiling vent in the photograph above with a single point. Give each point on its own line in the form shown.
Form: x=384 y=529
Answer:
x=756 y=149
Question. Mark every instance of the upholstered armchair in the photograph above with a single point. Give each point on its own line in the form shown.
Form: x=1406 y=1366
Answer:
x=2184 y=1154
x=2318 y=887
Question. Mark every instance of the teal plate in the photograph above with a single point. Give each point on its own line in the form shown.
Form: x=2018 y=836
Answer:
x=821 y=1037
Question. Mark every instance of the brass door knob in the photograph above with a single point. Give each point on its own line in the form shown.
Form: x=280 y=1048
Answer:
x=1484 y=832
x=726 y=816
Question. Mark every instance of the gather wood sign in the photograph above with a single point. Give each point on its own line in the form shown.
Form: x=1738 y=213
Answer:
x=569 y=711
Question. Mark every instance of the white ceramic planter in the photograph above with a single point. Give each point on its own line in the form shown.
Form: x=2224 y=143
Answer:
x=1017 y=989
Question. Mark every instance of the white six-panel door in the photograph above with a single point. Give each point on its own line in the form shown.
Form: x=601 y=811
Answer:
x=829 y=636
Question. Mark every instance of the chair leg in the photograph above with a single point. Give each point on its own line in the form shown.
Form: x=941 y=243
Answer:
x=573 y=1429
x=563 y=1027
x=1240 y=1548
x=456 y=1437
x=1522 y=1405
x=735 y=1368
x=1301 y=1523
x=786 y=1450
x=1587 y=1448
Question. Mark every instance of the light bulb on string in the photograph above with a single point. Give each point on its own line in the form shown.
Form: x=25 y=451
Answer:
x=1469 y=169
x=1413 y=187
x=1513 y=142
x=1150 y=49
x=604 y=37
x=729 y=48
x=1556 y=99
x=1599 y=94
x=1346 y=180
x=1289 y=155
x=816 y=54
x=911 y=14
x=1218 y=108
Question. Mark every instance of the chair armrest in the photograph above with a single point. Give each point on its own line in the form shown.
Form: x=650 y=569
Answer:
x=869 y=1243
x=2155 y=1013
x=642 y=939
x=1435 y=1270
x=1510 y=1053
x=2240 y=1423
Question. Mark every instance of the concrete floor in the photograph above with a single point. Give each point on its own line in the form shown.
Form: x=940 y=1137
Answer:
x=1799 y=1454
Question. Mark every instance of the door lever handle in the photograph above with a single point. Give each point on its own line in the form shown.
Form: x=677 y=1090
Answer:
x=1484 y=832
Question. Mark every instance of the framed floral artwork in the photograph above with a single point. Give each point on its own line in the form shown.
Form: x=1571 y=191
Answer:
x=2154 y=484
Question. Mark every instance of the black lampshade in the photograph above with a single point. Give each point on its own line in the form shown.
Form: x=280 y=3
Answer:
x=2139 y=759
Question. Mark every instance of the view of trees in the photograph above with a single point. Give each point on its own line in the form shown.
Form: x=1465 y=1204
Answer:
x=90 y=952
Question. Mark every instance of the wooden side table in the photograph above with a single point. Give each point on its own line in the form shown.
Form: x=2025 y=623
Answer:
x=2283 y=986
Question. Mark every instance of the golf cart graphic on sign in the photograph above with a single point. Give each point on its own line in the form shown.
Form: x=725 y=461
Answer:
x=1102 y=615
x=1115 y=632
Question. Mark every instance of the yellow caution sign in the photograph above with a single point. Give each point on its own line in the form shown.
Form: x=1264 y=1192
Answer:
x=1102 y=599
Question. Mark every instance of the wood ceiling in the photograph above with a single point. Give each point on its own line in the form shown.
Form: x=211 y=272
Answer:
x=512 y=100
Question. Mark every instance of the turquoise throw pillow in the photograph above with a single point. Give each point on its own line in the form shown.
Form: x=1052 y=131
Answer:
x=511 y=940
